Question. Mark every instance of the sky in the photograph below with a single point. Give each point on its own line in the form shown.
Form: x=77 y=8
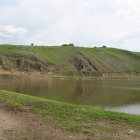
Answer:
x=89 y=23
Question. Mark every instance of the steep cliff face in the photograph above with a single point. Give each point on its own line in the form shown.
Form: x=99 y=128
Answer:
x=68 y=60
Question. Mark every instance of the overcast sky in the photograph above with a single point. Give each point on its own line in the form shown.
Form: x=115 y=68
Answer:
x=114 y=23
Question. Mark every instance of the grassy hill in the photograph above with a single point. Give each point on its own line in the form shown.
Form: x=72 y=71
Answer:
x=68 y=60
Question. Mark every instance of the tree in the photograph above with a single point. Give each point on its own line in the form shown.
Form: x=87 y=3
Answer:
x=32 y=44
x=71 y=44
x=64 y=45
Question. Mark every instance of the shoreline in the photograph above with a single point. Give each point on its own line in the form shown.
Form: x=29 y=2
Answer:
x=19 y=98
x=105 y=76
x=74 y=120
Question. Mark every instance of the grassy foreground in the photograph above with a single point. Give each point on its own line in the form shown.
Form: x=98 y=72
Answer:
x=76 y=118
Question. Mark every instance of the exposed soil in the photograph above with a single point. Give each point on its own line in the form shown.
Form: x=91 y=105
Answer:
x=21 y=124
x=16 y=124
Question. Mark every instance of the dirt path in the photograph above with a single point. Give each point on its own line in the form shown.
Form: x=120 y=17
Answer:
x=18 y=125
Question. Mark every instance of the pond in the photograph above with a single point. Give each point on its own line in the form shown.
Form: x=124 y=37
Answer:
x=115 y=95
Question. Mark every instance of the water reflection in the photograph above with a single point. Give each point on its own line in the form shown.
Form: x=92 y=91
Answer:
x=112 y=93
x=131 y=109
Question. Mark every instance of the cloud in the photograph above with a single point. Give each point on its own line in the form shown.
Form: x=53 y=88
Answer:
x=8 y=32
x=89 y=23
x=11 y=30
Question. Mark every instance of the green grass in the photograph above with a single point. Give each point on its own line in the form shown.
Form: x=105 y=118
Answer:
x=105 y=59
x=72 y=117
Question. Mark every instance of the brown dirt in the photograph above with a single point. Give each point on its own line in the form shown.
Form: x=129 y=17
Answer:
x=21 y=124
x=24 y=125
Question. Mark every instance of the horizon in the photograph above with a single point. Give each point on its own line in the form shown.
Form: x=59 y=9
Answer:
x=85 y=23
x=68 y=46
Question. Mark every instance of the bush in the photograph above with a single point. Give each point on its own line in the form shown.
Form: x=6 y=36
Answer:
x=71 y=44
x=104 y=47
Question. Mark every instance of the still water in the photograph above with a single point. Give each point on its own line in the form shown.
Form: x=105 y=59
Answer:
x=115 y=95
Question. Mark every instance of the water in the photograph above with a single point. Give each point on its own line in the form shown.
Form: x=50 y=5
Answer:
x=115 y=95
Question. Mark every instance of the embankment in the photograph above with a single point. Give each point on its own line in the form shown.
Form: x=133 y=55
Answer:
x=72 y=120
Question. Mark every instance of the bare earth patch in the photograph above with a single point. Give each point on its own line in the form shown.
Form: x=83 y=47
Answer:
x=21 y=124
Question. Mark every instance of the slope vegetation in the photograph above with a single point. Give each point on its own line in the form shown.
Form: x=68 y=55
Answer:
x=68 y=60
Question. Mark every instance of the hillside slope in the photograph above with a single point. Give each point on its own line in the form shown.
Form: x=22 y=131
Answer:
x=68 y=60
